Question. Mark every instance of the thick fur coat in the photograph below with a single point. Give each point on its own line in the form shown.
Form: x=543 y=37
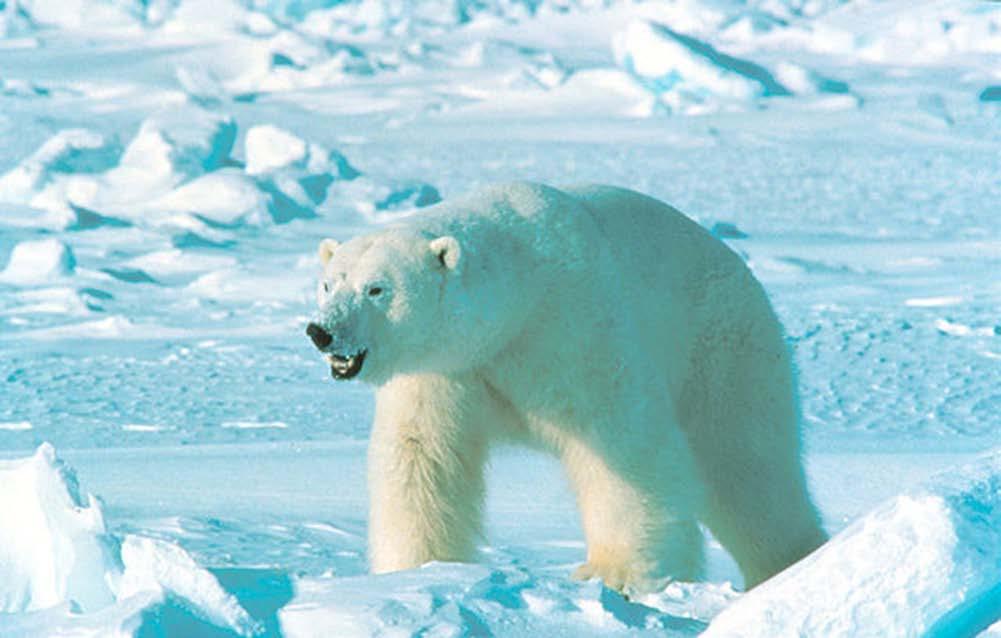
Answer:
x=593 y=322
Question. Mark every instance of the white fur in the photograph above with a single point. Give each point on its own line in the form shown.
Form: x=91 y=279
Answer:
x=596 y=323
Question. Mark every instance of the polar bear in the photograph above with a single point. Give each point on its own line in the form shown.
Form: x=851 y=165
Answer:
x=598 y=324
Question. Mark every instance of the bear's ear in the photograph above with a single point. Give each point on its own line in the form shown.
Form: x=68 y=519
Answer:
x=327 y=248
x=447 y=251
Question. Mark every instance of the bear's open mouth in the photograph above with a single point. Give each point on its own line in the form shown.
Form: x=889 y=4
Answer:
x=346 y=367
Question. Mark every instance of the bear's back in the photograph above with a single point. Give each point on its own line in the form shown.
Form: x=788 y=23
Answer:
x=653 y=241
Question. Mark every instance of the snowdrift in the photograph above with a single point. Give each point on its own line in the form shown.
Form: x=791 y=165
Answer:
x=926 y=563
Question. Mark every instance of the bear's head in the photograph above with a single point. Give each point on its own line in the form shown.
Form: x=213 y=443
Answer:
x=390 y=303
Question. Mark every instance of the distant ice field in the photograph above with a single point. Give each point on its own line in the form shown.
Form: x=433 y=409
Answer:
x=881 y=259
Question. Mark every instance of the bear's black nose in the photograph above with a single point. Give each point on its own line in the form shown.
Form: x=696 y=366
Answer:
x=321 y=338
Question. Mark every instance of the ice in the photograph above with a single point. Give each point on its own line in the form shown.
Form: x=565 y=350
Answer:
x=38 y=261
x=686 y=73
x=409 y=196
x=14 y=426
x=924 y=563
x=380 y=200
x=167 y=263
x=239 y=284
x=175 y=145
x=60 y=568
x=155 y=565
x=53 y=545
x=243 y=425
x=68 y=152
x=82 y=14
x=990 y=94
x=178 y=163
x=58 y=300
x=727 y=230
x=803 y=81
x=456 y=600
x=268 y=148
x=225 y=196
x=112 y=327
x=934 y=302
x=144 y=427
x=295 y=175
x=957 y=329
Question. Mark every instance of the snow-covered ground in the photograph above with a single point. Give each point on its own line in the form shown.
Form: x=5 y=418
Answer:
x=167 y=168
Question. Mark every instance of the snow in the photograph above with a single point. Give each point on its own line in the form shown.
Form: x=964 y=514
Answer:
x=57 y=557
x=168 y=168
x=254 y=424
x=268 y=147
x=156 y=565
x=39 y=261
x=943 y=543
x=321 y=589
x=470 y=600
x=15 y=425
x=69 y=151
x=173 y=145
x=685 y=73
x=54 y=547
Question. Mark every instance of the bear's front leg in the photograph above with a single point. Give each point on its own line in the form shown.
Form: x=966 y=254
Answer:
x=639 y=522
x=426 y=459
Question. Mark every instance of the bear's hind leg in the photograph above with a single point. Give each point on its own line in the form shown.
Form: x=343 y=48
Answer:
x=742 y=420
x=638 y=540
x=426 y=459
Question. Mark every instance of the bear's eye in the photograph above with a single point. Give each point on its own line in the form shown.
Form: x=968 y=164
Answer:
x=374 y=291
x=326 y=286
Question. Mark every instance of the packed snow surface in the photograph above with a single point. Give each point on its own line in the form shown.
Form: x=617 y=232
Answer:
x=168 y=167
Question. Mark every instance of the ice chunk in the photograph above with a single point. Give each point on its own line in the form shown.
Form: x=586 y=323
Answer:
x=57 y=300
x=294 y=174
x=926 y=563
x=749 y=25
x=67 y=152
x=156 y=565
x=202 y=85
x=84 y=14
x=81 y=218
x=294 y=9
x=225 y=196
x=53 y=545
x=38 y=261
x=175 y=145
x=61 y=573
x=269 y=148
x=803 y=81
x=687 y=72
